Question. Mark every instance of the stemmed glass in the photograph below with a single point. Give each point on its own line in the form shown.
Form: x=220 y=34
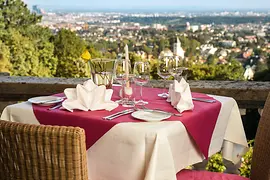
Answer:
x=164 y=71
x=176 y=68
x=120 y=72
x=141 y=77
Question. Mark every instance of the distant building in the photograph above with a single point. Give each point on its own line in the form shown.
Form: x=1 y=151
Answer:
x=159 y=27
x=208 y=49
x=166 y=53
x=251 y=39
x=188 y=26
x=228 y=43
x=38 y=10
x=178 y=52
x=249 y=73
x=261 y=34
x=194 y=28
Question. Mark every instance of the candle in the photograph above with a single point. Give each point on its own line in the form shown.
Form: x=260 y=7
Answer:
x=127 y=68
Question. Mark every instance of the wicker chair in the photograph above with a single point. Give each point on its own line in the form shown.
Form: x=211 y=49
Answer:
x=38 y=152
x=260 y=161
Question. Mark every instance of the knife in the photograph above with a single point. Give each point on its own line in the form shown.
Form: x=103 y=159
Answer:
x=204 y=100
x=118 y=114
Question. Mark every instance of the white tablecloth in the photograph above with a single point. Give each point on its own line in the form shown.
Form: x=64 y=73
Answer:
x=151 y=151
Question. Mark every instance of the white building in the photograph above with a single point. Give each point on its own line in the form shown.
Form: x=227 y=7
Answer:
x=177 y=53
x=178 y=50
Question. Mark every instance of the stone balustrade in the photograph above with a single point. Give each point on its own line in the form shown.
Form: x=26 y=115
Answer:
x=247 y=94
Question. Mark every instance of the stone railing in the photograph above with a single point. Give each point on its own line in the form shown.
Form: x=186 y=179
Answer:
x=249 y=95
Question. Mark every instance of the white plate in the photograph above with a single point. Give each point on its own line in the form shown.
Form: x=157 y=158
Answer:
x=45 y=100
x=150 y=116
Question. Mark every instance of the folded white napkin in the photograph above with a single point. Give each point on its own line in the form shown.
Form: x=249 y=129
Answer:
x=180 y=96
x=89 y=96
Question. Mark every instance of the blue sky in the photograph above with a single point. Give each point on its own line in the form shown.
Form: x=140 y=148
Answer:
x=154 y=4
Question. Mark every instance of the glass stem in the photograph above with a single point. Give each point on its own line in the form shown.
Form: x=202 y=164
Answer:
x=141 y=93
x=164 y=87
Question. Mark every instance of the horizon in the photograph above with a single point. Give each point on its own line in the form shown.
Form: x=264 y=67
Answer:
x=145 y=10
x=158 y=5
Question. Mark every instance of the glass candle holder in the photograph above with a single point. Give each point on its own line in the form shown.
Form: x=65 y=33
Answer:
x=128 y=92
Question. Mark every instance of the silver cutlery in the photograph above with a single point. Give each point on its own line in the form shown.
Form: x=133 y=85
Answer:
x=50 y=101
x=55 y=107
x=118 y=114
x=204 y=100
x=161 y=111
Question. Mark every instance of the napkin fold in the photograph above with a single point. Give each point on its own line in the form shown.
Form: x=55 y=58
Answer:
x=180 y=96
x=87 y=97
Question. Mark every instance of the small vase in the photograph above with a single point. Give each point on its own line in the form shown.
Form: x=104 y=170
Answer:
x=102 y=71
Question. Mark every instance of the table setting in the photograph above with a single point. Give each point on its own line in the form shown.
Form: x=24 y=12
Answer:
x=140 y=132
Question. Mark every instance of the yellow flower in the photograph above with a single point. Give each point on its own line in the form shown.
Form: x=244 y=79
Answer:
x=86 y=56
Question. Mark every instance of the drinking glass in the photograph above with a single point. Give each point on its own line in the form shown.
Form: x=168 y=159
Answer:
x=164 y=71
x=141 y=77
x=128 y=92
x=122 y=69
x=176 y=68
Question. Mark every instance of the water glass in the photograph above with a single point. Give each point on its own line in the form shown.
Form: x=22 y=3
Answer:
x=164 y=71
x=141 y=77
x=176 y=69
x=122 y=69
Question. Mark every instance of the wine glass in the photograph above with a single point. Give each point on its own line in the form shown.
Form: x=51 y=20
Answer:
x=176 y=69
x=164 y=71
x=141 y=77
x=121 y=70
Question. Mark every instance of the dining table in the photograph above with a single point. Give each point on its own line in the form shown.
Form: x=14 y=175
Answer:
x=129 y=148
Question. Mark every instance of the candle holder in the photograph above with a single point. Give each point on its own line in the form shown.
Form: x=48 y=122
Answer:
x=128 y=92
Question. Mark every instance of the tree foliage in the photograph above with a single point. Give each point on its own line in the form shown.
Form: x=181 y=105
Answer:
x=5 y=64
x=43 y=41
x=68 y=49
x=16 y=14
x=232 y=71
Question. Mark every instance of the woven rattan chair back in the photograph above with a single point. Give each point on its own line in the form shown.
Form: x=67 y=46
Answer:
x=261 y=156
x=38 y=152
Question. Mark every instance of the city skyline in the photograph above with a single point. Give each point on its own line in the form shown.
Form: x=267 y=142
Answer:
x=153 y=4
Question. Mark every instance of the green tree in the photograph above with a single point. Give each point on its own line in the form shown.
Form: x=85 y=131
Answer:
x=42 y=39
x=232 y=71
x=94 y=53
x=263 y=75
x=5 y=65
x=23 y=55
x=68 y=49
x=147 y=49
x=16 y=14
x=212 y=59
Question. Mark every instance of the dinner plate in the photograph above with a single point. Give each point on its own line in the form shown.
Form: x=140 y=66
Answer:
x=149 y=116
x=45 y=100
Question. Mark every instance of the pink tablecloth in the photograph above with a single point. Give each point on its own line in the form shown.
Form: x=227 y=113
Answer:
x=200 y=122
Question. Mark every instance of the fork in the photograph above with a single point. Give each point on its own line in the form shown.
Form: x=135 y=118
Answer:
x=116 y=115
x=162 y=111
x=55 y=107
